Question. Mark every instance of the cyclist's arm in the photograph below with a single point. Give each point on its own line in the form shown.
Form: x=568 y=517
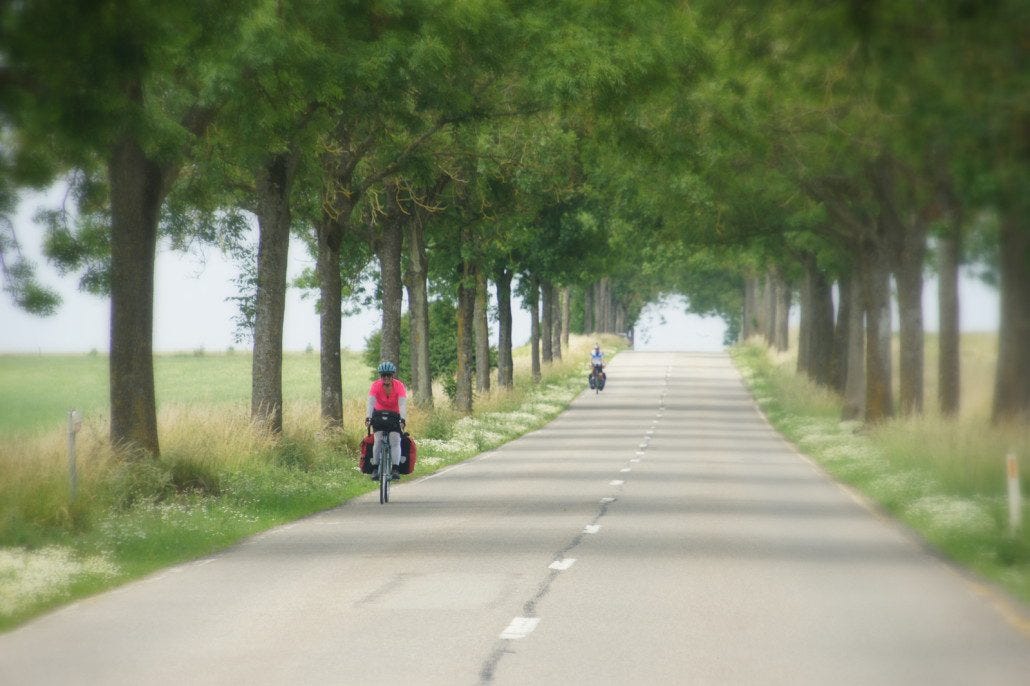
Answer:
x=370 y=406
x=402 y=405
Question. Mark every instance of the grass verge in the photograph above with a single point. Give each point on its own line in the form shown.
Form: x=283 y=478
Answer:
x=218 y=481
x=943 y=478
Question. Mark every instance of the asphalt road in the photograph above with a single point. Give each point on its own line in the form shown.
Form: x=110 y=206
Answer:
x=659 y=532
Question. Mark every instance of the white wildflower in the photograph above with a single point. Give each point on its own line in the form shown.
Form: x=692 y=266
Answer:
x=27 y=576
x=950 y=515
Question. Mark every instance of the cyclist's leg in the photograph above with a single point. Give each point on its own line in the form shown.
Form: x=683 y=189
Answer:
x=395 y=447
x=377 y=446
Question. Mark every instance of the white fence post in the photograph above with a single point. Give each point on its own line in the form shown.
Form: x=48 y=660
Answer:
x=1015 y=496
x=74 y=424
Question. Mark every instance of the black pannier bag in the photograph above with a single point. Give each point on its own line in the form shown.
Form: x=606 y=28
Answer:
x=384 y=420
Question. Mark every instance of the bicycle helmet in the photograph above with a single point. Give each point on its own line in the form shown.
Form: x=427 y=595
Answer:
x=387 y=367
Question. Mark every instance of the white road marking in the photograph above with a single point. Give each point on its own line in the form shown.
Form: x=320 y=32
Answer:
x=642 y=445
x=616 y=482
x=562 y=565
x=608 y=499
x=640 y=453
x=520 y=627
x=591 y=528
x=650 y=431
x=635 y=459
x=625 y=469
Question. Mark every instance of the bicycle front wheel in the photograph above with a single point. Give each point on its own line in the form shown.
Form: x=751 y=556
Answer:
x=384 y=476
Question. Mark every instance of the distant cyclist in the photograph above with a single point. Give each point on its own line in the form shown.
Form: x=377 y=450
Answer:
x=386 y=413
x=597 y=375
x=597 y=359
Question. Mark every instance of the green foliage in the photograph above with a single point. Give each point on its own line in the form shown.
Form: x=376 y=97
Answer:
x=443 y=353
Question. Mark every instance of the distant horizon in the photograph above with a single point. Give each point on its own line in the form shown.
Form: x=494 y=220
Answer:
x=191 y=310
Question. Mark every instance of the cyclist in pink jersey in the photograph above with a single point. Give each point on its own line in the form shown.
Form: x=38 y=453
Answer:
x=386 y=412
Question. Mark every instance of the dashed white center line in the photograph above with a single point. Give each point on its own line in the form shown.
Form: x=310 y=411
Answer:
x=650 y=431
x=591 y=528
x=608 y=499
x=642 y=445
x=635 y=459
x=616 y=482
x=562 y=565
x=625 y=469
x=520 y=627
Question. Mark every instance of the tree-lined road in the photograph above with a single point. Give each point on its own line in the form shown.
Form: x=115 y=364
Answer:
x=659 y=532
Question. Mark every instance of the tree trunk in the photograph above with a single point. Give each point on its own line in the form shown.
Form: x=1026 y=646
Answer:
x=841 y=333
x=273 y=213
x=784 y=294
x=1012 y=378
x=600 y=306
x=418 y=306
x=566 y=316
x=875 y=277
x=533 y=302
x=908 y=273
x=389 y=245
x=466 y=307
x=330 y=288
x=772 y=281
x=821 y=335
x=948 y=389
x=546 y=321
x=588 y=309
x=482 y=333
x=854 y=380
x=137 y=190
x=556 y=322
x=505 y=367
x=750 y=316
x=805 y=324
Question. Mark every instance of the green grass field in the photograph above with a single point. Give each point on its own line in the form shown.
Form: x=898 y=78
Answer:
x=36 y=391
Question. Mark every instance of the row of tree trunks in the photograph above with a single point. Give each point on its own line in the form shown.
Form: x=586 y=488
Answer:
x=602 y=313
x=274 y=182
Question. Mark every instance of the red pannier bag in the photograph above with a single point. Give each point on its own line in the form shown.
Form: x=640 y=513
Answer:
x=365 y=450
x=409 y=454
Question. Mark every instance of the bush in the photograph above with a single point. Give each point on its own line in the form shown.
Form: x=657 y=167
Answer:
x=294 y=454
x=133 y=481
x=191 y=476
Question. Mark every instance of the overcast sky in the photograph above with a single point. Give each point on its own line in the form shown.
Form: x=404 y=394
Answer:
x=191 y=311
